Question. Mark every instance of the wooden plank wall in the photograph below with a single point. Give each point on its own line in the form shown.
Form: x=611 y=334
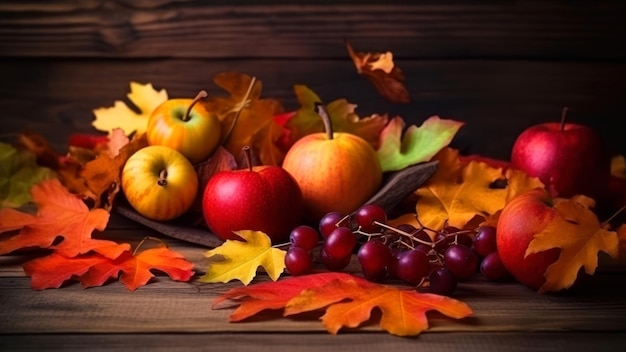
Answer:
x=500 y=66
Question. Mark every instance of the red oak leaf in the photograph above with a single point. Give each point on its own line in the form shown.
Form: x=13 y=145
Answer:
x=60 y=214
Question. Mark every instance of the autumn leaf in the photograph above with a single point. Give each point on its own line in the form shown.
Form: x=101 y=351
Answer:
x=274 y=295
x=381 y=71
x=93 y=269
x=618 y=166
x=577 y=231
x=348 y=300
x=399 y=150
x=621 y=234
x=342 y=115
x=102 y=175
x=403 y=310
x=60 y=214
x=246 y=119
x=121 y=115
x=18 y=173
x=136 y=269
x=241 y=259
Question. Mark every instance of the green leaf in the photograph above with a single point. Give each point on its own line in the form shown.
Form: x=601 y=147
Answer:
x=18 y=173
x=418 y=144
x=342 y=115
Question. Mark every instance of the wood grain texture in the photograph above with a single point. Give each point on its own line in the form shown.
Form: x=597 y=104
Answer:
x=266 y=29
x=496 y=99
x=314 y=342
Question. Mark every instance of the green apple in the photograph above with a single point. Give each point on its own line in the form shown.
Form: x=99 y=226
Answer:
x=159 y=182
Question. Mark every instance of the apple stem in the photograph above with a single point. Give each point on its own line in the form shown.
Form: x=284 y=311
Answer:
x=201 y=95
x=563 y=115
x=328 y=126
x=162 y=180
x=248 y=153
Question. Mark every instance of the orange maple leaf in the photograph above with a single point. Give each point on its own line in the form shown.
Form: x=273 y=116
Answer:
x=577 y=231
x=274 y=295
x=403 y=310
x=94 y=269
x=59 y=214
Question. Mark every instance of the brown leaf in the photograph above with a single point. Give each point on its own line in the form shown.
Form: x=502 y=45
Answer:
x=380 y=70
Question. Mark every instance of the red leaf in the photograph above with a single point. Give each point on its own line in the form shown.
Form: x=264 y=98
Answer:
x=55 y=269
x=275 y=295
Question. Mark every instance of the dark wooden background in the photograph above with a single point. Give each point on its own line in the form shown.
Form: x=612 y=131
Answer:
x=500 y=66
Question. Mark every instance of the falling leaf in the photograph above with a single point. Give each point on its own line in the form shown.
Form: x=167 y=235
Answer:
x=380 y=70
x=60 y=214
x=418 y=144
x=18 y=173
x=342 y=115
x=577 y=231
x=241 y=259
x=121 y=115
x=246 y=119
x=348 y=299
x=274 y=295
x=94 y=269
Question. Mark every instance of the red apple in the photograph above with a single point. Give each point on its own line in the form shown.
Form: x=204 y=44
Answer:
x=568 y=158
x=521 y=219
x=261 y=198
x=336 y=171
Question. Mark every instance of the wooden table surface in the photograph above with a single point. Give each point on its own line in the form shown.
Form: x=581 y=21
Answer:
x=499 y=67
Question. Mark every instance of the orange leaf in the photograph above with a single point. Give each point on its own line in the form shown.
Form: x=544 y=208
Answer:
x=59 y=214
x=577 y=231
x=94 y=269
x=274 y=295
x=136 y=269
x=403 y=310
x=55 y=269
x=621 y=234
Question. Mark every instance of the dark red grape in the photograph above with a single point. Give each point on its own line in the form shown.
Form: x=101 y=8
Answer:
x=392 y=266
x=442 y=282
x=340 y=242
x=334 y=264
x=298 y=261
x=374 y=257
x=413 y=266
x=485 y=241
x=304 y=237
x=330 y=221
x=461 y=261
x=464 y=239
x=491 y=267
x=367 y=215
x=408 y=228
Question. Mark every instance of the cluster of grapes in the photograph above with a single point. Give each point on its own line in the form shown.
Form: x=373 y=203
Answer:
x=418 y=256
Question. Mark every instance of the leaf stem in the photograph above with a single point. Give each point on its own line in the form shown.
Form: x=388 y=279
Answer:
x=148 y=238
x=242 y=105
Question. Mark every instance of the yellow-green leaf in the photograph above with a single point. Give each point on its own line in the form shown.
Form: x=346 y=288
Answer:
x=18 y=173
x=240 y=260
x=120 y=115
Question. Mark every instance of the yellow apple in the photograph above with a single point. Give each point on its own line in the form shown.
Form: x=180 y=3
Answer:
x=186 y=126
x=159 y=182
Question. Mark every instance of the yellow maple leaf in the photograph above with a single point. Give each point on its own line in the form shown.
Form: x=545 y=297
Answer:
x=240 y=260
x=143 y=96
x=577 y=231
